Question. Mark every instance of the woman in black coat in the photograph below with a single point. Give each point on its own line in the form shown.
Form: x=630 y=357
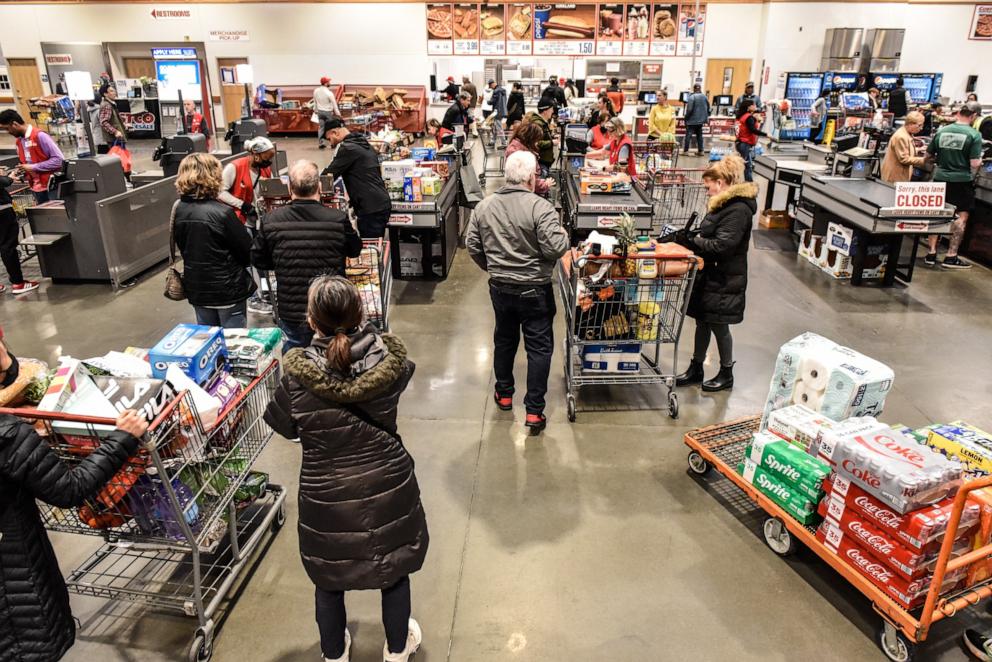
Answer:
x=362 y=525
x=516 y=106
x=35 y=621
x=717 y=298
x=215 y=246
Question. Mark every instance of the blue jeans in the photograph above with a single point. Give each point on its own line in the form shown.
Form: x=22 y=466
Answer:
x=747 y=153
x=690 y=131
x=41 y=197
x=235 y=317
x=296 y=336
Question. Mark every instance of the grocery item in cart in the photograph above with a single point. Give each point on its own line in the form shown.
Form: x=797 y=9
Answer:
x=835 y=381
x=31 y=378
x=207 y=406
x=794 y=503
x=788 y=463
x=916 y=529
x=895 y=468
x=148 y=397
x=908 y=594
x=153 y=511
x=799 y=425
x=618 y=358
x=969 y=445
x=119 y=364
x=198 y=350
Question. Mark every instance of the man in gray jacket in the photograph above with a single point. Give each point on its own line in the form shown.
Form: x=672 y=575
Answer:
x=697 y=113
x=516 y=236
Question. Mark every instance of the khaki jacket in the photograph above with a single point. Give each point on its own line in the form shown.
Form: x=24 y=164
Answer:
x=900 y=158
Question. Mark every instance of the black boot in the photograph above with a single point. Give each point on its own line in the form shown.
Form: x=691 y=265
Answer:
x=693 y=375
x=723 y=380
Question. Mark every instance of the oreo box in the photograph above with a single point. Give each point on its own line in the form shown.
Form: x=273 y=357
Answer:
x=198 y=351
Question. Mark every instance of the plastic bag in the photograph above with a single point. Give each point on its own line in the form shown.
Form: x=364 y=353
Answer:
x=123 y=154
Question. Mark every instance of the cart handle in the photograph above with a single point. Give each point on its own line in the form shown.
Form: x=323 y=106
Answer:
x=22 y=412
x=944 y=562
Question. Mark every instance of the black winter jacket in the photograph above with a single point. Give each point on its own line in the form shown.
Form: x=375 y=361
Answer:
x=516 y=106
x=35 y=621
x=358 y=165
x=5 y=183
x=301 y=241
x=216 y=250
x=556 y=95
x=724 y=236
x=456 y=115
x=362 y=525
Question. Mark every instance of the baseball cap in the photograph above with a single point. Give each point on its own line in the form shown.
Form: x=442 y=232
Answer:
x=451 y=79
x=333 y=123
x=544 y=104
x=259 y=145
x=325 y=80
x=490 y=81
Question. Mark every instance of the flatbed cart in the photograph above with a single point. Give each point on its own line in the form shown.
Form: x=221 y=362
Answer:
x=183 y=517
x=676 y=193
x=372 y=274
x=722 y=446
x=616 y=324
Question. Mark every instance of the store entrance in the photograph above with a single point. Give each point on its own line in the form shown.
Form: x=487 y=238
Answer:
x=26 y=82
x=727 y=77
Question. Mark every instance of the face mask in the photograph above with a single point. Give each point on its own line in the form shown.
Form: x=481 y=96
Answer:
x=264 y=164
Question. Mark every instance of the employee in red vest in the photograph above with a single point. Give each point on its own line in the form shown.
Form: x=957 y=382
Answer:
x=620 y=150
x=37 y=152
x=748 y=130
x=195 y=122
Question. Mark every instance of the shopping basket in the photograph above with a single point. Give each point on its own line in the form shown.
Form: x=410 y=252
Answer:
x=676 y=194
x=618 y=316
x=722 y=447
x=183 y=516
x=372 y=275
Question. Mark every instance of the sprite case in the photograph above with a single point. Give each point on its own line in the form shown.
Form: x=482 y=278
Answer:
x=793 y=502
x=789 y=464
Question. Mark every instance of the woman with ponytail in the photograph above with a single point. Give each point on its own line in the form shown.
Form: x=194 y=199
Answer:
x=362 y=525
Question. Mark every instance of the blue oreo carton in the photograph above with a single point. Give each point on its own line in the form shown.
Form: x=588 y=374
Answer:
x=199 y=351
x=423 y=153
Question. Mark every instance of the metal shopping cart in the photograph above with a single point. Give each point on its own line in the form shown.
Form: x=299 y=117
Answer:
x=493 y=140
x=372 y=275
x=618 y=314
x=653 y=155
x=676 y=194
x=182 y=518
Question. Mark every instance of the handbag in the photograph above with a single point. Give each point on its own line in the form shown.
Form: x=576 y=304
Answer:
x=174 y=287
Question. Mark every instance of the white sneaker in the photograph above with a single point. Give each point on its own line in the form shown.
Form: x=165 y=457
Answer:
x=413 y=639
x=346 y=655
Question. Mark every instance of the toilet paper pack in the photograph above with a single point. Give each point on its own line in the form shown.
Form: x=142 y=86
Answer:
x=832 y=380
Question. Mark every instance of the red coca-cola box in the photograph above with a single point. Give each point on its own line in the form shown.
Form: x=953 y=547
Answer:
x=916 y=529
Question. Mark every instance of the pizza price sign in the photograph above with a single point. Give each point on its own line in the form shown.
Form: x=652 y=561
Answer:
x=919 y=198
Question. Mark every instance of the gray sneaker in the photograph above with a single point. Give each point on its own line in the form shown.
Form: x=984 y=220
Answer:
x=259 y=307
x=955 y=263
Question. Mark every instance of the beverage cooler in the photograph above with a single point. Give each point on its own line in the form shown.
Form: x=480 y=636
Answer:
x=801 y=89
x=922 y=88
x=837 y=81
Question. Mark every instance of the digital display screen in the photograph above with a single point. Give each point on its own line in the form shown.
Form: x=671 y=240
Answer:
x=175 y=76
x=723 y=100
x=650 y=97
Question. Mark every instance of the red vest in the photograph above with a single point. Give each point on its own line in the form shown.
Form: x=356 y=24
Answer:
x=599 y=137
x=37 y=180
x=615 y=147
x=744 y=134
x=244 y=184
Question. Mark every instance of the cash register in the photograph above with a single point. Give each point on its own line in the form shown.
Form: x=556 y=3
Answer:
x=173 y=150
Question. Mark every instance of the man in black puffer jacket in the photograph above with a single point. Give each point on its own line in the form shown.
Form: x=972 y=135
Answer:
x=35 y=621
x=358 y=165
x=299 y=242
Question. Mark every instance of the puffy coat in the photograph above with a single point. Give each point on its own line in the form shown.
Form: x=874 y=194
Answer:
x=724 y=236
x=358 y=165
x=35 y=621
x=546 y=145
x=216 y=250
x=362 y=525
x=301 y=241
x=515 y=108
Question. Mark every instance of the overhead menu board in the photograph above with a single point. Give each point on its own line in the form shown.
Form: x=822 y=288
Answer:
x=465 y=28
x=637 y=30
x=691 y=29
x=564 y=29
x=664 y=29
x=492 y=29
x=520 y=29
x=609 y=33
x=439 y=29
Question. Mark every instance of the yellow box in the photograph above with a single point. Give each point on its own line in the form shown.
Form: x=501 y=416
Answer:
x=971 y=446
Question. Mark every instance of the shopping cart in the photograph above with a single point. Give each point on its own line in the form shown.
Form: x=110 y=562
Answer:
x=618 y=314
x=676 y=193
x=722 y=447
x=493 y=139
x=182 y=518
x=652 y=155
x=372 y=275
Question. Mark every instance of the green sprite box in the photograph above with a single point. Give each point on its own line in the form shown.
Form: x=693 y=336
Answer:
x=788 y=463
x=785 y=495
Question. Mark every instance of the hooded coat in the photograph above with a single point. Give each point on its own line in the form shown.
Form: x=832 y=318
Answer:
x=362 y=525
x=724 y=236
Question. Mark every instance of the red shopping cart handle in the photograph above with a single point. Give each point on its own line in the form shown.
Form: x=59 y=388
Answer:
x=24 y=412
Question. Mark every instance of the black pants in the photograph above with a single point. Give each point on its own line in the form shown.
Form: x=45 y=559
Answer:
x=690 y=131
x=373 y=226
x=724 y=342
x=531 y=308
x=8 y=246
x=332 y=619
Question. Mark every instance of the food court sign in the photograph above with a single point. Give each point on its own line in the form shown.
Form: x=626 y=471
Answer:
x=981 y=23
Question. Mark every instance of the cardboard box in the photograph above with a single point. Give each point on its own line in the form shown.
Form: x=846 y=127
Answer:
x=969 y=445
x=395 y=171
x=422 y=153
x=430 y=185
x=197 y=350
x=840 y=238
x=601 y=182
x=411 y=189
x=775 y=219
x=621 y=358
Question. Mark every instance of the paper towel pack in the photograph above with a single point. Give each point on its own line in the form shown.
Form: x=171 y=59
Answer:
x=835 y=381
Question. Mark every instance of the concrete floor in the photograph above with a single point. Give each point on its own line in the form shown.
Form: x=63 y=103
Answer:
x=588 y=544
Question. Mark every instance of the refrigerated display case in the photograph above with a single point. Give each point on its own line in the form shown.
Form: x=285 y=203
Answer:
x=921 y=88
x=801 y=89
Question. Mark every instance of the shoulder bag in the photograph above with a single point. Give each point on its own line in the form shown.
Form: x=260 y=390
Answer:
x=174 y=288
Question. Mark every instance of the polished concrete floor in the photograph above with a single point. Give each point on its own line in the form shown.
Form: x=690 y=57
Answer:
x=592 y=542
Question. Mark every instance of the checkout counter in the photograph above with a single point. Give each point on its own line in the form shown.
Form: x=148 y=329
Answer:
x=786 y=167
x=8 y=157
x=585 y=212
x=977 y=243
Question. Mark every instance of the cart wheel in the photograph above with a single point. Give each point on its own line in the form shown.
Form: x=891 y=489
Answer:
x=482 y=181
x=894 y=644
x=673 y=404
x=201 y=649
x=280 y=517
x=570 y=402
x=697 y=464
x=778 y=537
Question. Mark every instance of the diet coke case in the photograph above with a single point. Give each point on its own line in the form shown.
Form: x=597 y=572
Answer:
x=896 y=469
x=916 y=529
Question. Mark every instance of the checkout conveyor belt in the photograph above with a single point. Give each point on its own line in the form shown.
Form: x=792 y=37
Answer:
x=592 y=211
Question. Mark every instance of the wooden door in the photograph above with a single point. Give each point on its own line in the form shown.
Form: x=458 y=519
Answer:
x=232 y=94
x=26 y=83
x=136 y=67
x=727 y=77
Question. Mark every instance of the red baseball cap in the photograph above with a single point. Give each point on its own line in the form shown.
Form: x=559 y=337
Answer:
x=325 y=80
x=451 y=79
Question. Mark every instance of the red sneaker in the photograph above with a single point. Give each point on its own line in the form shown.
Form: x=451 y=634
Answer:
x=536 y=423
x=3 y=288
x=23 y=288
x=505 y=403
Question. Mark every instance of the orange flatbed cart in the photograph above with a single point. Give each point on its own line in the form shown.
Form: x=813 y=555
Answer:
x=721 y=447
